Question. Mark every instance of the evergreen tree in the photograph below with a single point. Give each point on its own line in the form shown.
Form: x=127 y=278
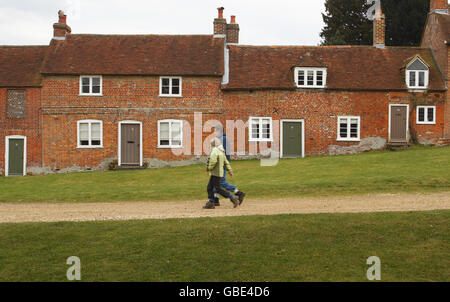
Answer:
x=346 y=22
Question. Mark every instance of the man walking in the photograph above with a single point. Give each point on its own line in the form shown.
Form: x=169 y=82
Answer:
x=217 y=163
x=220 y=134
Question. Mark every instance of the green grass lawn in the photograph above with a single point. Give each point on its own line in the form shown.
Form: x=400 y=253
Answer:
x=320 y=247
x=422 y=169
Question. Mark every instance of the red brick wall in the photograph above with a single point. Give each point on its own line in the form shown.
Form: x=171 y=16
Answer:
x=124 y=98
x=30 y=127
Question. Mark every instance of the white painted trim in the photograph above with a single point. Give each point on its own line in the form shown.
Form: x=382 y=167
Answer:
x=281 y=134
x=348 y=138
x=170 y=121
x=426 y=79
x=119 y=159
x=90 y=85
x=426 y=122
x=89 y=122
x=407 y=120
x=7 y=138
x=170 y=95
x=250 y=139
x=306 y=69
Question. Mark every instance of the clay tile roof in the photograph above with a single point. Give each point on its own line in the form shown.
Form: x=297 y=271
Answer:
x=348 y=67
x=200 y=55
x=19 y=65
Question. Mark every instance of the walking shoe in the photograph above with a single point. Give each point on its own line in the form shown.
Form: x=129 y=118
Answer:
x=216 y=202
x=209 y=206
x=241 y=196
x=235 y=201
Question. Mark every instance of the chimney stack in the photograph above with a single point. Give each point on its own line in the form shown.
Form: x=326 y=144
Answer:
x=439 y=6
x=61 y=29
x=379 y=29
x=220 y=24
x=233 y=31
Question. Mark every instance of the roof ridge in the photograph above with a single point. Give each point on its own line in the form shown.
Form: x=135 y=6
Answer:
x=23 y=46
x=143 y=35
x=324 y=46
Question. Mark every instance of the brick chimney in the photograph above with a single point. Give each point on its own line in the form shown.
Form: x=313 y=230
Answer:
x=379 y=29
x=220 y=24
x=233 y=31
x=61 y=29
x=439 y=6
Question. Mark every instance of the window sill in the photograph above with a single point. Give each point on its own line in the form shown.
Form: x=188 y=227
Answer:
x=311 y=87
x=425 y=123
x=170 y=96
x=348 y=140
x=90 y=95
x=89 y=147
x=261 y=140
x=170 y=147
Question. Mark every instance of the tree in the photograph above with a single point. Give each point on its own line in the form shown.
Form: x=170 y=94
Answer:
x=346 y=22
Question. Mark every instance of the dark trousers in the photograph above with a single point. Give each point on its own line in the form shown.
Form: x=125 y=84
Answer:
x=214 y=184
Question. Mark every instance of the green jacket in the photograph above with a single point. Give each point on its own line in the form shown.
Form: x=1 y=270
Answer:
x=216 y=161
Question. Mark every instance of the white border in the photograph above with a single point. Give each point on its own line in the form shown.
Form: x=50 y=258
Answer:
x=170 y=121
x=281 y=134
x=7 y=138
x=90 y=85
x=426 y=122
x=170 y=95
x=119 y=155
x=89 y=134
x=250 y=139
x=407 y=120
x=348 y=139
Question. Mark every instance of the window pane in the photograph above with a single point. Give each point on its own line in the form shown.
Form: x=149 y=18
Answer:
x=95 y=132
x=85 y=89
x=165 y=82
x=310 y=78
x=354 y=128
x=412 y=78
x=431 y=115
x=165 y=89
x=84 y=131
x=175 y=90
x=176 y=82
x=266 y=129
x=421 y=114
x=301 y=77
x=343 y=128
x=164 y=131
x=96 y=81
x=176 y=131
x=95 y=89
x=422 y=79
x=85 y=81
x=255 y=129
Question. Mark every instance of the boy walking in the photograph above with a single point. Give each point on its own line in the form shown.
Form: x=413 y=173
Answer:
x=217 y=163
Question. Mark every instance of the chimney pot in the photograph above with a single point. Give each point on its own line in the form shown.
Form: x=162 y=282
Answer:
x=220 y=9
x=439 y=6
x=233 y=19
x=62 y=17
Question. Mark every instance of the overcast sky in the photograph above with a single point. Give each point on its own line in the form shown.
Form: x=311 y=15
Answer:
x=262 y=22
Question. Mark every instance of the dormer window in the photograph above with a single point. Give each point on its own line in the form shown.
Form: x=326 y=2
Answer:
x=309 y=77
x=417 y=73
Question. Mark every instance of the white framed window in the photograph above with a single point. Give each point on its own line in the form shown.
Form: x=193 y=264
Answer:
x=308 y=77
x=170 y=86
x=417 y=74
x=170 y=134
x=260 y=129
x=91 y=85
x=90 y=134
x=426 y=115
x=349 y=128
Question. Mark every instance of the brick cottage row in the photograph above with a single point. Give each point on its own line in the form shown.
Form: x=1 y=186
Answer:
x=86 y=101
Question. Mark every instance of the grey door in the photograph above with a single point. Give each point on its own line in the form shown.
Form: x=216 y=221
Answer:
x=398 y=124
x=130 y=144
x=292 y=139
x=15 y=159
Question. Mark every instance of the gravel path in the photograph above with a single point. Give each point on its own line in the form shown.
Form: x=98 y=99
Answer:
x=51 y=212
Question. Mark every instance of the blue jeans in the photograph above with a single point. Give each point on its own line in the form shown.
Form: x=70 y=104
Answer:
x=225 y=184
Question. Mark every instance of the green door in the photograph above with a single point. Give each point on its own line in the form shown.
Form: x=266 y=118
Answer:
x=15 y=162
x=292 y=139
